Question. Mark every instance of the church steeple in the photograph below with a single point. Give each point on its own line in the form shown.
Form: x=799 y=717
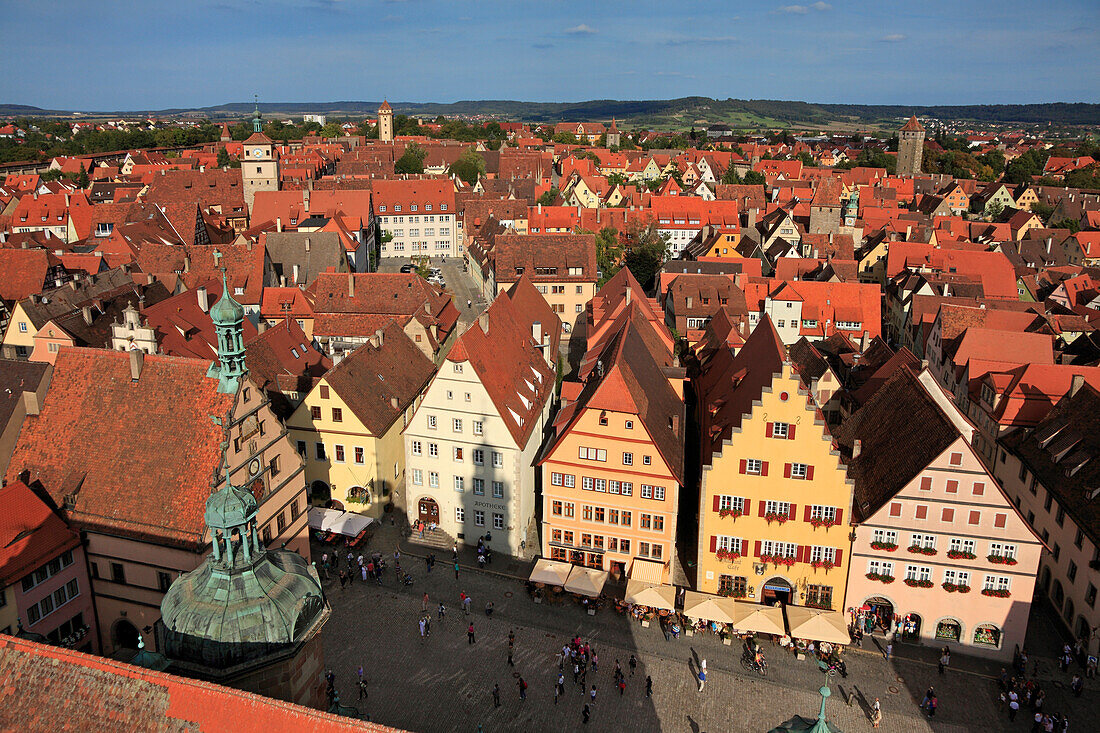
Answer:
x=257 y=125
x=228 y=317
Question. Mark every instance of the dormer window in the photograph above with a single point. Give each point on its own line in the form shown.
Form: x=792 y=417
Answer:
x=397 y=208
x=382 y=208
x=412 y=207
x=443 y=207
x=427 y=207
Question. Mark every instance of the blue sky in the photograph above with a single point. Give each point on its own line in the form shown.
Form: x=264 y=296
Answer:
x=121 y=54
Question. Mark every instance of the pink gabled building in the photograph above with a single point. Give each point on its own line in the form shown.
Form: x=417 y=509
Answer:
x=941 y=556
x=44 y=586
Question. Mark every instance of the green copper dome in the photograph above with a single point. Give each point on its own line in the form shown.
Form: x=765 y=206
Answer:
x=230 y=507
x=226 y=312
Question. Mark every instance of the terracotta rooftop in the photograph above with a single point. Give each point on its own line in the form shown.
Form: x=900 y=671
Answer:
x=30 y=533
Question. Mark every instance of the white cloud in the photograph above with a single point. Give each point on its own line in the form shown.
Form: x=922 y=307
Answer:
x=894 y=37
x=803 y=9
x=581 y=30
x=821 y=6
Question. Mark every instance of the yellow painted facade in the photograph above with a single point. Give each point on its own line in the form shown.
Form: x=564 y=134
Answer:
x=766 y=473
x=726 y=246
x=19 y=336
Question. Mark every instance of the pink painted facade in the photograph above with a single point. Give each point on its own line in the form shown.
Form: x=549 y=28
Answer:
x=952 y=506
x=55 y=600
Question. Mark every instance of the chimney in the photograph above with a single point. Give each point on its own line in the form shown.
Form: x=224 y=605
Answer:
x=149 y=279
x=1050 y=243
x=30 y=403
x=628 y=293
x=536 y=332
x=1076 y=385
x=351 y=285
x=282 y=281
x=483 y=321
x=187 y=264
x=86 y=311
x=857 y=448
x=261 y=326
x=203 y=298
x=307 y=244
x=380 y=336
x=908 y=232
x=750 y=220
x=294 y=274
x=137 y=361
x=689 y=301
x=278 y=223
x=393 y=402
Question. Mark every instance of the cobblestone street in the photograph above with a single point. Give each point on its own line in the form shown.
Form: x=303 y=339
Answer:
x=444 y=683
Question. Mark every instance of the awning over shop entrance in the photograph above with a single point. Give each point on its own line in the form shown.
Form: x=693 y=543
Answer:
x=550 y=572
x=708 y=608
x=759 y=618
x=647 y=571
x=586 y=581
x=654 y=596
x=817 y=625
x=348 y=524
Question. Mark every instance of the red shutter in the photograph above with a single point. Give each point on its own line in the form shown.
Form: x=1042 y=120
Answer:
x=809 y=508
x=756 y=552
x=809 y=473
x=999 y=520
x=748 y=507
x=790 y=432
x=763 y=468
x=713 y=543
x=717 y=499
x=763 y=505
x=744 y=466
x=769 y=429
x=839 y=516
x=786 y=470
x=792 y=513
x=839 y=556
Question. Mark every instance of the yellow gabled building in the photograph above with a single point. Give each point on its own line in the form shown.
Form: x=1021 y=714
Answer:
x=775 y=501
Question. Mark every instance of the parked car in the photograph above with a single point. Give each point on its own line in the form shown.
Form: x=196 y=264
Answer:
x=408 y=268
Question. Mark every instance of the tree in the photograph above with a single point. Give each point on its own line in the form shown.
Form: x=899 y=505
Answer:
x=565 y=138
x=469 y=166
x=647 y=251
x=548 y=197
x=616 y=179
x=730 y=176
x=807 y=159
x=331 y=130
x=994 y=209
x=609 y=252
x=412 y=161
x=1043 y=211
x=753 y=178
x=1073 y=225
x=82 y=178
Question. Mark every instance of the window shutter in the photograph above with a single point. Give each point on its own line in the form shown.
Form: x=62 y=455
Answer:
x=999 y=520
x=803 y=553
x=769 y=430
x=763 y=468
x=839 y=553
x=792 y=513
x=790 y=431
x=717 y=499
x=926 y=483
x=756 y=552
x=748 y=507
x=763 y=506
x=948 y=515
x=922 y=512
x=839 y=516
x=809 y=508
x=744 y=466
x=786 y=470
x=713 y=543
x=809 y=473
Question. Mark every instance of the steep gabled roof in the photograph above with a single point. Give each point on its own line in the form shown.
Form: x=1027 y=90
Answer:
x=30 y=533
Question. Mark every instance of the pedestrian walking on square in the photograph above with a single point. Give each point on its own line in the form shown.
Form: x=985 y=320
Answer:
x=622 y=686
x=1013 y=708
x=470 y=635
x=945 y=659
x=456 y=570
x=595 y=660
x=362 y=688
x=932 y=705
x=559 y=689
x=586 y=714
x=522 y=689
x=424 y=603
x=466 y=605
x=363 y=572
x=421 y=628
x=593 y=694
x=618 y=669
x=648 y=686
x=427 y=625
x=889 y=650
x=496 y=696
x=481 y=562
x=702 y=675
x=633 y=664
x=576 y=672
x=454 y=552
x=343 y=579
x=442 y=611
x=510 y=662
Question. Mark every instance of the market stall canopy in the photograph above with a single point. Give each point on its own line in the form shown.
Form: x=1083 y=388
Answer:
x=817 y=625
x=349 y=524
x=648 y=594
x=647 y=571
x=709 y=608
x=586 y=581
x=550 y=572
x=758 y=618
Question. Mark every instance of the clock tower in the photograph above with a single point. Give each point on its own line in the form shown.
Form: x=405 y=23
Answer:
x=259 y=167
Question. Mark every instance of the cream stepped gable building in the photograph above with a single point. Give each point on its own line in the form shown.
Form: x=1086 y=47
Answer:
x=471 y=444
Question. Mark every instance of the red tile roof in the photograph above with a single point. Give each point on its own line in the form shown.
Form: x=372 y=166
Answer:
x=22 y=272
x=912 y=125
x=30 y=533
x=49 y=688
x=138 y=455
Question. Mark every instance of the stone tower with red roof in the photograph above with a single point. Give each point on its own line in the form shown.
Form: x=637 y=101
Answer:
x=910 y=147
x=385 y=122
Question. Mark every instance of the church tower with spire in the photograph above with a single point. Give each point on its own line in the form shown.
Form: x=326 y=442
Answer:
x=259 y=166
x=228 y=317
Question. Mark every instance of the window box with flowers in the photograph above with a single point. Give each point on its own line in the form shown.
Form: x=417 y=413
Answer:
x=960 y=555
x=822 y=522
x=880 y=578
x=1001 y=559
x=728 y=555
x=778 y=560
x=731 y=592
x=917 y=549
x=734 y=513
x=776 y=517
x=996 y=592
x=915 y=583
x=888 y=546
x=953 y=588
x=818 y=604
x=824 y=564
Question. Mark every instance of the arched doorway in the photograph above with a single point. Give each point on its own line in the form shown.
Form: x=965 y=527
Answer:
x=776 y=590
x=124 y=635
x=949 y=629
x=1044 y=580
x=428 y=510
x=1067 y=614
x=987 y=635
x=877 y=614
x=359 y=495
x=320 y=491
x=1081 y=630
x=1057 y=595
x=910 y=627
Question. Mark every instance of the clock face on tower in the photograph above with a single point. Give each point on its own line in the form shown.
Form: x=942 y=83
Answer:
x=257 y=153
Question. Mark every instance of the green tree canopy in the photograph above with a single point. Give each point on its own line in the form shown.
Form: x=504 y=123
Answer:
x=412 y=161
x=548 y=198
x=646 y=252
x=469 y=166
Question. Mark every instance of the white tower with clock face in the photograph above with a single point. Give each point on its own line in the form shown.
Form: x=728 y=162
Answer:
x=259 y=167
